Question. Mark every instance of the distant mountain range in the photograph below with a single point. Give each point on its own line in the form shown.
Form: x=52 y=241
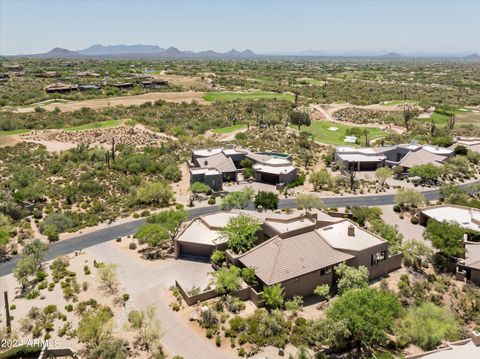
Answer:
x=154 y=51
x=139 y=51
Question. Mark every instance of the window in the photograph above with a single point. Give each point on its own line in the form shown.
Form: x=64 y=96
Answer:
x=326 y=270
x=378 y=257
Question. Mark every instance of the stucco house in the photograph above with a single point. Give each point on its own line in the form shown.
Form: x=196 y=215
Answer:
x=213 y=166
x=298 y=250
x=468 y=218
x=302 y=262
x=403 y=155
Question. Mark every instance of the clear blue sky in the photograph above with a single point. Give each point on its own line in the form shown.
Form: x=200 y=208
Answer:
x=35 y=26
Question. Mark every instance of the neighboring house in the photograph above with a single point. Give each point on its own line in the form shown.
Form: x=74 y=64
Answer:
x=472 y=143
x=60 y=88
x=470 y=266
x=89 y=87
x=298 y=250
x=302 y=262
x=469 y=218
x=155 y=83
x=122 y=85
x=214 y=166
x=403 y=155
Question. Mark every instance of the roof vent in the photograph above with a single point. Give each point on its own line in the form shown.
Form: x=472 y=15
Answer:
x=205 y=163
x=351 y=230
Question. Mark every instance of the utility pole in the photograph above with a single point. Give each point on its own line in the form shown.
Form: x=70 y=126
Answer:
x=7 y=312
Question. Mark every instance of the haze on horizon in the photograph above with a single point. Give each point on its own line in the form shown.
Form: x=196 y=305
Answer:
x=429 y=26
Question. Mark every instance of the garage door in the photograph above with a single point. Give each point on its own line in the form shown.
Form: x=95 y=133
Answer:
x=368 y=166
x=269 y=178
x=195 y=250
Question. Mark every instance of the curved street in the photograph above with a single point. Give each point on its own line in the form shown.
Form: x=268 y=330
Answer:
x=114 y=231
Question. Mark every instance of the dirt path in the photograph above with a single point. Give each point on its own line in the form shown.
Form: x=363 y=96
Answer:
x=177 y=97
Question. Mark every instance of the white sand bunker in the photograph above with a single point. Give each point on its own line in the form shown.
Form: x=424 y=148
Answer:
x=350 y=139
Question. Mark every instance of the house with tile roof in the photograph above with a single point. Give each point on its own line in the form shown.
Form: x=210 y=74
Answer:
x=299 y=250
x=302 y=262
x=213 y=166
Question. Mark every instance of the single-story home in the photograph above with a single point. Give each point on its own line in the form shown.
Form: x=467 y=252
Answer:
x=403 y=155
x=303 y=261
x=274 y=168
x=298 y=250
x=60 y=88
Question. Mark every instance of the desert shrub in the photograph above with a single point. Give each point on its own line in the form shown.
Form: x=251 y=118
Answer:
x=234 y=304
x=427 y=325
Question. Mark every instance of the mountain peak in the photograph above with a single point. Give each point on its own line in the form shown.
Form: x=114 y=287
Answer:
x=473 y=57
x=392 y=55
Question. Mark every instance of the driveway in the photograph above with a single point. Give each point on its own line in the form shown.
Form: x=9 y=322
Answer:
x=148 y=284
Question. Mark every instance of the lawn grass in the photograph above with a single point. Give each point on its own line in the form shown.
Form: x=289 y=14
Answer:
x=256 y=95
x=228 y=129
x=14 y=132
x=320 y=132
x=89 y=126
x=308 y=81
x=441 y=119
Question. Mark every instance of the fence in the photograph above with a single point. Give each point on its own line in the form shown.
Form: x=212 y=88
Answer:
x=388 y=265
x=245 y=293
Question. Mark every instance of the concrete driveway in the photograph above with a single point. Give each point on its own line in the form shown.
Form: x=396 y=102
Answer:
x=148 y=284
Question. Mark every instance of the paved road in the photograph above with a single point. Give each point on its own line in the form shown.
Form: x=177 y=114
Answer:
x=102 y=235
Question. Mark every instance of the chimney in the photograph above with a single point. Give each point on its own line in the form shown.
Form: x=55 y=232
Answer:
x=351 y=230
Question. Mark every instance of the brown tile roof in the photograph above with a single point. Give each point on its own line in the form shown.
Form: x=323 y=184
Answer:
x=420 y=157
x=218 y=161
x=277 y=259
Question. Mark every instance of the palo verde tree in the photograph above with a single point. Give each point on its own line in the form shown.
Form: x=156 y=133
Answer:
x=239 y=200
x=227 y=280
x=409 y=198
x=351 y=277
x=428 y=172
x=427 y=326
x=382 y=174
x=321 y=179
x=241 y=233
x=447 y=237
x=368 y=313
x=161 y=227
x=309 y=201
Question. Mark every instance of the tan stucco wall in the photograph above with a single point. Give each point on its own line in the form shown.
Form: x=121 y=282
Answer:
x=306 y=284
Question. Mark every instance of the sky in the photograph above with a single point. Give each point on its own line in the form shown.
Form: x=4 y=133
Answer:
x=264 y=26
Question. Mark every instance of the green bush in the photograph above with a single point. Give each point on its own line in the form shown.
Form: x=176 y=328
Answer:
x=218 y=257
x=49 y=309
x=428 y=325
x=199 y=187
